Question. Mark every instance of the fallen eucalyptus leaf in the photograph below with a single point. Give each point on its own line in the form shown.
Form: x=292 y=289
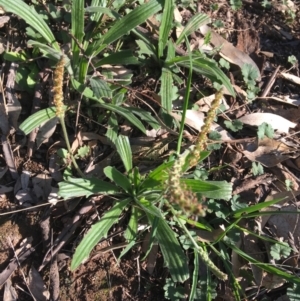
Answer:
x=277 y=122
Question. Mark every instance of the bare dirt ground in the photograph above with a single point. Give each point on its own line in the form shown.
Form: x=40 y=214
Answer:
x=266 y=35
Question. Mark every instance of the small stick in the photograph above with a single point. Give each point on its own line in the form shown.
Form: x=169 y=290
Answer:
x=270 y=83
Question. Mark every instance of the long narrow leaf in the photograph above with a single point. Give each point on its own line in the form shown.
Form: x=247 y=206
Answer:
x=223 y=192
x=36 y=119
x=31 y=17
x=136 y=17
x=100 y=3
x=124 y=112
x=166 y=90
x=257 y=207
x=165 y=26
x=76 y=187
x=77 y=29
x=194 y=23
x=117 y=177
x=97 y=232
x=132 y=228
x=124 y=151
x=204 y=66
x=266 y=266
x=172 y=252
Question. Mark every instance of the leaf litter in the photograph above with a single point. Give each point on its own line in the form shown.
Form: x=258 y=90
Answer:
x=238 y=48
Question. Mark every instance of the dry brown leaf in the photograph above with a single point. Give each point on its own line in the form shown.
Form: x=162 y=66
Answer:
x=178 y=19
x=286 y=196
x=37 y=286
x=286 y=224
x=205 y=102
x=228 y=51
x=277 y=122
x=292 y=78
x=42 y=186
x=46 y=130
x=10 y=293
x=195 y=120
x=268 y=152
x=205 y=236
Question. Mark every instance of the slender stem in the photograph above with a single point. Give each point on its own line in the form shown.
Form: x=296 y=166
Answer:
x=63 y=125
x=186 y=98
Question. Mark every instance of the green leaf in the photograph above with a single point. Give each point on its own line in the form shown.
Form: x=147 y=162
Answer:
x=214 y=135
x=13 y=56
x=250 y=74
x=118 y=178
x=294 y=292
x=174 y=257
x=193 y=24
x=77 y=29
x=254 y=208
x=124 y=151
x=136 y=17
x=97 y=232
x=146 y=48
x=195 y=276
x=32 y=76
x=132 y=228
x=292 y=59
x=36 y=119
x=234 y=125
x=223 y=63
x=113 y=128
x=236 y=4
x=31 y=17
x=96 y=16
x=257 y=169
x=223 y=191
x=204 y=66
x=100 y=88
x=146 y=116
x=236 y=204
x=102 y=10
x=83 y=152
x=265 y=129
x=148 y=207
x=160 y=174
x=76 y=187
x=174 y=292
x=280 y=250
x=124 y=57
x=199 y=186
x=166 y=90
x=124 y=112
x=165 y=25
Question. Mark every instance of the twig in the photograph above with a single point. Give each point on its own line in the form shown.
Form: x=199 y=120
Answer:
x=270 y=83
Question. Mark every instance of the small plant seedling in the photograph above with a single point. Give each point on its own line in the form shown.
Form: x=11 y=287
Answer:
x=250 y=74
x=236 y=4
x=293 y=60
x=234 y=125
x=257 y=169
x=265 y=129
